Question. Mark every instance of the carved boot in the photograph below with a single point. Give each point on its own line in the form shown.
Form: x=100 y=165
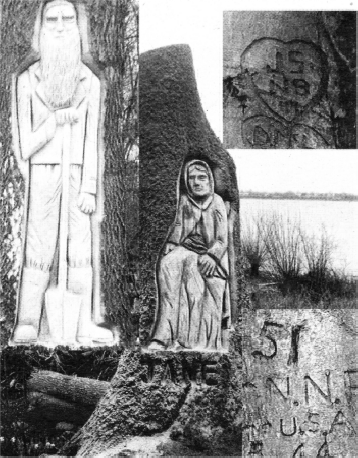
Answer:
x=33 y=286
x=155 y=345
x=80 y=282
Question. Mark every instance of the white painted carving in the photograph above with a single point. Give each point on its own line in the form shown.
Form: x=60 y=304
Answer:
x=55 y=116
x=193 y=295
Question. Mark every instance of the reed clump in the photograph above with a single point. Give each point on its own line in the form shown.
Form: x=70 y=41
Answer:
x=288 y=267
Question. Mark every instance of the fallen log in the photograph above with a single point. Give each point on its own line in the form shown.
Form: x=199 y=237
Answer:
x=49 y=409
x=80 y=390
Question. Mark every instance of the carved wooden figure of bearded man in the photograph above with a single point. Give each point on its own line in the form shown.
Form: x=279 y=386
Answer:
x=193 y=290
x=56 y=91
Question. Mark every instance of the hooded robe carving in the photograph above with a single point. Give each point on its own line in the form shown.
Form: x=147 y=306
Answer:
x=191 y=304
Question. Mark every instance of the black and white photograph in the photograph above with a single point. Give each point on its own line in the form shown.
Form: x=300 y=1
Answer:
x=179 y=222
x=289 y=79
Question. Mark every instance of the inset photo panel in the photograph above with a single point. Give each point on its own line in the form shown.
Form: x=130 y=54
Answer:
x=299 y=220
x=289 y=79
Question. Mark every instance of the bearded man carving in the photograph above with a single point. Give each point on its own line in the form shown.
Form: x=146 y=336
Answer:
x=56 y=91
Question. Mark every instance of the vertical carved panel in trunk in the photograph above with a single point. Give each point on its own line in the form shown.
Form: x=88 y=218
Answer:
x=300 y=383
x=114 y=48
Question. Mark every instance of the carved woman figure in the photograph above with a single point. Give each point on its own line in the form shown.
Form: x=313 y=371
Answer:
x=192 y=273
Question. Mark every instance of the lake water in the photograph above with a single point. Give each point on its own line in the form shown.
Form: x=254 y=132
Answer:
x=339 y=219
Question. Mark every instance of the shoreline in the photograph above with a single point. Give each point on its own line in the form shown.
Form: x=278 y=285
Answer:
x=283 y=197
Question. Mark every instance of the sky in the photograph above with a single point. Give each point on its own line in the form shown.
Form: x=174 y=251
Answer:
x=198 y=23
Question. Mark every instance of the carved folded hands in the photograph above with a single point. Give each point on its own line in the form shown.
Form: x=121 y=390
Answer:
x=206 y=265
x=86 y=202
x=66 y=116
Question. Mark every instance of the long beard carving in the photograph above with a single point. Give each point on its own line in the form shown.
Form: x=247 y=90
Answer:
x=60 y=67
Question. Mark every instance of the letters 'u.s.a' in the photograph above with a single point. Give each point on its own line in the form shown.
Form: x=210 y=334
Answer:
x=55 y=117
x=192 y=274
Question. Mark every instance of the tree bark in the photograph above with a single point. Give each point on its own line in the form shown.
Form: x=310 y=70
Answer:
x=300 y=377
x=174 y=129
x=289 y=79
x=193 y=396
x=113 y=27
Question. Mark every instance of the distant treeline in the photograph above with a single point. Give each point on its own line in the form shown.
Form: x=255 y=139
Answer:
x=298 y=195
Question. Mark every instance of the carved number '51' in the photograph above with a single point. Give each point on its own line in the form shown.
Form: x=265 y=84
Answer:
x=268 y=328
x=265 y=332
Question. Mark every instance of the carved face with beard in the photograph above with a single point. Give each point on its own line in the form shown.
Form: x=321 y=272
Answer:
x=60 y=49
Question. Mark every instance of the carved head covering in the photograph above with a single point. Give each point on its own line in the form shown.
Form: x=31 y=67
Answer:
x=52 y=3
x=202 y=166
x=81 y=21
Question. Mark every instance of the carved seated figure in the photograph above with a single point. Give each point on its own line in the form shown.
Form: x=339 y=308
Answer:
x=192 y=274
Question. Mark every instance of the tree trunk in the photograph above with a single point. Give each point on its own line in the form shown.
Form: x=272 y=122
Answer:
x=174 y=129
x=188 y=402
x=114 y=49
x=300 y=376
x=192 y=397
x=289 y=79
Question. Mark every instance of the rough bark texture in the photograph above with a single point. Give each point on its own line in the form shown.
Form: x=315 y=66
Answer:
x=289 y=79
x=79 y=390
x=113 y=36
x=184 y=403
x=300 y=383
x=173 y=128
x=113 y=32
x=194 y=397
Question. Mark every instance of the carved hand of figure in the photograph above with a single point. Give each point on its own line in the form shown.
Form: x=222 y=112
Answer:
x=66 y=116
x=168 y=248
x=207 y=265
x=86 y=202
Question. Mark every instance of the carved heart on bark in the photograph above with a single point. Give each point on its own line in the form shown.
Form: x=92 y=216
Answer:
x=287 y=76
